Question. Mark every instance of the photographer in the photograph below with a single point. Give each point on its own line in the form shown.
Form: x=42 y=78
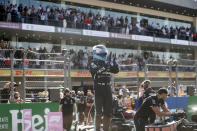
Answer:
x=81 y=106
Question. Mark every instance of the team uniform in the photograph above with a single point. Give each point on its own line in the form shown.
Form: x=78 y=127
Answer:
x=145 y=115
x=147 y=93
x=67 y=110
x=81 y=107
x=89 y=110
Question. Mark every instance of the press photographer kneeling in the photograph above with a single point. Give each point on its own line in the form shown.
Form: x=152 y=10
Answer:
x=147 y=112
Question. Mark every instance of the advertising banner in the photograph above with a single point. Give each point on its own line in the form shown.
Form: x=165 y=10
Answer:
x=179 y=42
x=162 y=40
x=121 y=36
x=142 y=38
x=35 y=73
x=33 y=27
x=27 y=119
x=11 y=116
x=68 y=30
x=55 y=121
x=96 y=33
x=10 y=25
x=192 y=43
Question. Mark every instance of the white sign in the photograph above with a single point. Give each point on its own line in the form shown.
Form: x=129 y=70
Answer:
x=42 y=28
x=142 y=38
x=37 y=120
x=121 y=36
x=10 y=25
x=162 y=40
x=96 y=33
x=179 y=42
x=193 y=43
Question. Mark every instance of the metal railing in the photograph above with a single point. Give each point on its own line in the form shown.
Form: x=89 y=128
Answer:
x=35 y=88
x=36 y=79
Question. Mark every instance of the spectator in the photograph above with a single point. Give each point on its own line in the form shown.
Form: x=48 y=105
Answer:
x=61 y=95
x=64 y=23
x=73 y=18
x=17 y=98
x=79 y=59
x=7 y=92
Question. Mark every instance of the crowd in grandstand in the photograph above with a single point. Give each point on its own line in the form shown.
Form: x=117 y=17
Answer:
x=73 y=18
x=78 y=59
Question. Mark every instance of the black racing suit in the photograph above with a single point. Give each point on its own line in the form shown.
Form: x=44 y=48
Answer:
x=81 y=107
x=145 y=113
x=148 y=92
x=102 y=91
x=67 y=110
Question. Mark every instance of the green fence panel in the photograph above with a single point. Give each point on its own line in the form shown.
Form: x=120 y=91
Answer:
x=191 y=106
x=11 y=116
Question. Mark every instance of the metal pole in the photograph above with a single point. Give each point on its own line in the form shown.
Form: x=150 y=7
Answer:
x=170 y=77
x=24 y=78
x=196 y=76
x=12 y=75
x=69 y=73
x=138 y=81
x=45 y=78
x=65 y=71
x=177 y=87
x=146 y=70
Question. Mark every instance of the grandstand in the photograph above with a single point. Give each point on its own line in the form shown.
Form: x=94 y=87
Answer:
x=46 y=45
x=144 y=37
